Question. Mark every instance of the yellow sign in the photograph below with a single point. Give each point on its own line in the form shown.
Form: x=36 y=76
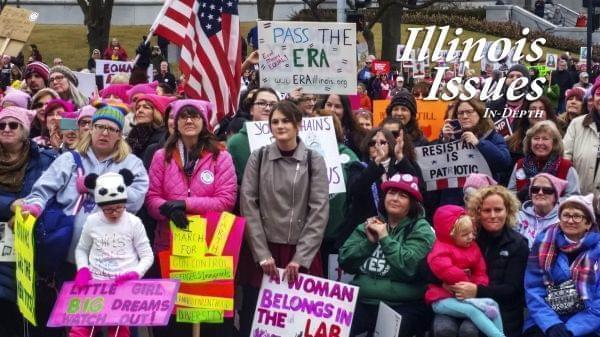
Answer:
x=190 y=241
x=198 y=276
x=25 y=273
x=185 y=315
x=205 y=263
x=205 y=302
x=221 y=234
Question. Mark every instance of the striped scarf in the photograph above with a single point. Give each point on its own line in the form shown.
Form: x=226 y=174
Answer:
x=582 y=269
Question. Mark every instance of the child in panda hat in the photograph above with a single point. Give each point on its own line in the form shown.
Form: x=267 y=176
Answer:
x=113 y=244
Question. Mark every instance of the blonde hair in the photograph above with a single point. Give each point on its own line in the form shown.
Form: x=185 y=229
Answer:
x=511 y=203
x=120 y=78
x=548 y=127
x=463 y=223
x=120 y=152
x=157 y=118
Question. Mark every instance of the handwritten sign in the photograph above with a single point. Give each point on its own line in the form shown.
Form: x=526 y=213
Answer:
x=221 y=234
x=194 y=315
x=317 y=56
x=447 y=165
x=133 y=303
x=190 y=241
x=310 y=306
x=430 y=115
x=25 y=273
x=204 y=263
x=108 y=68
x=16 y=25
x=318 y=134
x=7 y=243
x=205 y=302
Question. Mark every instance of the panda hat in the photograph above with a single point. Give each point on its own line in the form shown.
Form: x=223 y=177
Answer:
x=109 y=188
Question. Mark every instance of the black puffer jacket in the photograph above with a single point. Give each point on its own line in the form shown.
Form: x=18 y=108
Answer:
x=506 y=258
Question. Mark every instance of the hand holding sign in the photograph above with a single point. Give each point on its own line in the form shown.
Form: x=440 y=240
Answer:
x=291 y=272
x=269 y=268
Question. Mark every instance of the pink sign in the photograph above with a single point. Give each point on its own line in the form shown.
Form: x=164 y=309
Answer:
x=103 y=303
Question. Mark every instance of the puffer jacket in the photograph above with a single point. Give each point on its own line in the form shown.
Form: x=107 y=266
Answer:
x=449 y=262
x=212 y=187
x=284 y=202
x=39 y=160
x=530 y=224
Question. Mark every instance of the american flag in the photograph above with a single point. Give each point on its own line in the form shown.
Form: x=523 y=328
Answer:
x=208 y=32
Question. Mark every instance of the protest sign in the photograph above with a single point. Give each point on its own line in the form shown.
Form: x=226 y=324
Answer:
x=108 y=68
x=335 y=273
x=503 y=127
x=430 y=115
x=310 y=306
x=551 y=60
x=380 y=67
x=388 y=322
x=25 y=273
x=133 y=303
x=16 y=25
x=318 y=134
x=206 y=290
x=87 y=83
x=7 y=243
x=317 y=56
x=447 y=165
x=379 y=107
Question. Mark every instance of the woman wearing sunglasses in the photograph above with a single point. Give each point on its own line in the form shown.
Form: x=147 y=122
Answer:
x=21 y=164
x=543 y=149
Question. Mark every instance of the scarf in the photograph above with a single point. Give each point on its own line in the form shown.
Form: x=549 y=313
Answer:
x=582 y=269
x=139 y=137
x=12 y=172
x=184 y=159
x=530 y=165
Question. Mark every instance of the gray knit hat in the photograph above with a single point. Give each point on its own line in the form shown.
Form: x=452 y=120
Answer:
x=68 y=73
x=520 y=68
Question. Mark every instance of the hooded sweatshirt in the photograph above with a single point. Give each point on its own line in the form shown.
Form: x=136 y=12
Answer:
x=450 y=263
x=530 y=224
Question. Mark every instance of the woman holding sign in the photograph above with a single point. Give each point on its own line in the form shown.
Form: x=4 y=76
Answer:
x=21 y=164
x=385 y=253
x=285 y=199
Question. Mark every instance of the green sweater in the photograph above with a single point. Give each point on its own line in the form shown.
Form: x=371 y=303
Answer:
x=386 y=271
x=338 y=202
x=239 y=148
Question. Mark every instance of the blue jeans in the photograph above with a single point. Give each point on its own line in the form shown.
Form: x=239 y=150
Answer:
x=455 y=308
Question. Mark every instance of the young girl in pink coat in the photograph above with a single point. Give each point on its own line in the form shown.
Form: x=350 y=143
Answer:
x=455 y=257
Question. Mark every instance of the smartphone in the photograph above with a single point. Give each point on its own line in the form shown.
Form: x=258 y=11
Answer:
x=455 y=125
x=68 y=124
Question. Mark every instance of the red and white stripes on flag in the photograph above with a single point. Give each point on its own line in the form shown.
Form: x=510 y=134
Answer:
x=208 y=33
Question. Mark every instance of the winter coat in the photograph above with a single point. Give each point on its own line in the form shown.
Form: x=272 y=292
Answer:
x=285 y=202
x=387 y=270
x=239 y=147
x=583 y=323
x=581 y=147
x=519 y=182
x=39 y=160
x=564 y=80
x=212 y=187
x=506 y=258
x=450 y=263
x=59 y=181
x=530 y=224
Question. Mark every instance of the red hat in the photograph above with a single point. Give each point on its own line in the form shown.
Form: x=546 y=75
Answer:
x=404 y=182
x=160 y=103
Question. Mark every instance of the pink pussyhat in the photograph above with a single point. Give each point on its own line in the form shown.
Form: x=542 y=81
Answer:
x=478 y=180
x=559 y=185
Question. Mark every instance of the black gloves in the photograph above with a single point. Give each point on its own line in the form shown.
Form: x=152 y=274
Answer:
x=145 y=53
x=559 y=330
x=175 y=210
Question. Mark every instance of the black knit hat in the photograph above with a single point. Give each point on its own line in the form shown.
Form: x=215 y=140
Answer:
x=404 y=99
x=520 y=68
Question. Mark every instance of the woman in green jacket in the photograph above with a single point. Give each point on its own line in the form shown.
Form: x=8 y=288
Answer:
x=385 y=255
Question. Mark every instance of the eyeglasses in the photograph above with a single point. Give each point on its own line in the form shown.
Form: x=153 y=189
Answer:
x=190 y=114
x=307 y=99
x=117 y=209
x=83 y=122
x=465 y=112
x=575 y=217
x=545 y=190
x=373 y=142
x=263 y=104
x=56 y=78
x=11 y=125
x=101 y=128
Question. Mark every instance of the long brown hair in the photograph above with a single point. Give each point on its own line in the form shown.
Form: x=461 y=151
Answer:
x=207 y=141
x=484 y=125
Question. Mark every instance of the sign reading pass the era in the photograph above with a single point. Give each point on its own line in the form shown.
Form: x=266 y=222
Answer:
x=317 y=56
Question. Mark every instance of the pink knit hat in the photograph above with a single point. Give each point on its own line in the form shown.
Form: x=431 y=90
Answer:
x=16 y=97
x=86 y=111
x=144 y=88
x=404 y=182
x=159 y=102
x=587 y=202
x=57 y=102
x=559 y=184
x=23 y=116
x=205 y=107
x=118 y=90
x=478 y=180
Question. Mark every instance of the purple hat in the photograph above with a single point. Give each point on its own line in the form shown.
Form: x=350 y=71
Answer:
x=23 y=116
x=16 y=97
x=404 y=182
x=205 y=108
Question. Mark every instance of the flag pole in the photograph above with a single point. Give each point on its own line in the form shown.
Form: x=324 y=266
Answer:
x=160 y=14
x=196 y=330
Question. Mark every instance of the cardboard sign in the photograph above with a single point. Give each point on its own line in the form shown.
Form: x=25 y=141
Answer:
x=108 y=68
x=87 y=83
x=447 y=165
x=133 y=303
x=317 y=56
x=311 y=306
x=25 y=258
x=388 y=322
x=380 y=67
x=16 y=25
x=318 y=134
x=7 y=243
x=335 y=273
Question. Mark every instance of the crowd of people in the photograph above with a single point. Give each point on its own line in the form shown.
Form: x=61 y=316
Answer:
x=459 y=261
